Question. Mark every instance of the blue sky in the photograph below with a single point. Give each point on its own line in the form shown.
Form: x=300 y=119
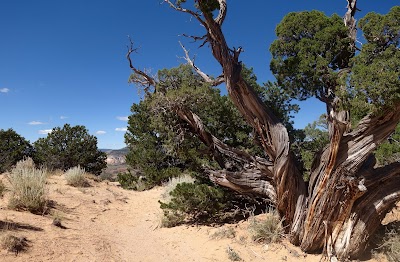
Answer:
x=64 y=61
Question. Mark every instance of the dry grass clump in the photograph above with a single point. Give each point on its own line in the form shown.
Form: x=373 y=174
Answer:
x=28 y=187
x=76 y=176
x=224 y=233
x=233 y=255
x=267 y=230
x=13 y=243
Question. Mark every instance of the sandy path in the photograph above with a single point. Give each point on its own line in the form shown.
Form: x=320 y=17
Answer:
x=107 y=223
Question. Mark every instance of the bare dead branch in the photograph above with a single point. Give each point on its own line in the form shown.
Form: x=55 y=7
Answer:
x=184 y=10
x=214 y=82
x=222 y=12
x=141 y=77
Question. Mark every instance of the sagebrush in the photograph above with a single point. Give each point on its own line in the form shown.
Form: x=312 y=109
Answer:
x=28 y=187
x=75 y=176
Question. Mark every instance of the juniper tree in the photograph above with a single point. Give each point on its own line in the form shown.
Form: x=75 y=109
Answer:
x=314 y=55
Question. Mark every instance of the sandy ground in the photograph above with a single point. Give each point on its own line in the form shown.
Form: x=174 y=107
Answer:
x=106 y=223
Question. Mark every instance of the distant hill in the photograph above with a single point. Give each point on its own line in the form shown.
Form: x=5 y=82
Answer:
x=116 y=156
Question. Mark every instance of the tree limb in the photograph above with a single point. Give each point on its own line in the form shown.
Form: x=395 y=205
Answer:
x=141 y=77
x=214 y=82
x=241 y=172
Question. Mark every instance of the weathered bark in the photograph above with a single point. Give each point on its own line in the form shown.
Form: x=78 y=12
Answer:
x=240 y=171
x=347 y=197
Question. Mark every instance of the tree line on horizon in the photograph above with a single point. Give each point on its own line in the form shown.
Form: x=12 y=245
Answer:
x=63 y=148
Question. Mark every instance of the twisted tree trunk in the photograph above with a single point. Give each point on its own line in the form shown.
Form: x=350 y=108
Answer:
x=347 y=197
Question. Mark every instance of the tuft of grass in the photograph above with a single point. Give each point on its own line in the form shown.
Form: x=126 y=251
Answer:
x=13 y=243
x=224 y=233
x=172 y=218
x=233 y=255
x=76 y=177
x=28 y=187
x=57 y=219
x=267 y=230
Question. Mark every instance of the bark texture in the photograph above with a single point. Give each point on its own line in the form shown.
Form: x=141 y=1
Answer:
x=347 y=197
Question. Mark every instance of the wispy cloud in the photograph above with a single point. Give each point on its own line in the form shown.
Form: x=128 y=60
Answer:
x=45 y=131
x=100 y=132
x=34 y=123
x=4 y=90
x=122 y=118
x=63 y=117
x=121 y=129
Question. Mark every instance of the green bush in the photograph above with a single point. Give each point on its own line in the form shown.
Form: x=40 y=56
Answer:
x=76 y=177
x=150 y=178
x=28 y=187
x=195 y=202
x=13 y=148
x=67 y=147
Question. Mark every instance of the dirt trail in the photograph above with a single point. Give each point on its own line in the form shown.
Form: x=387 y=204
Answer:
x=107 y=223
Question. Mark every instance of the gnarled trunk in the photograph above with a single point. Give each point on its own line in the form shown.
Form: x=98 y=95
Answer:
x=347 y=197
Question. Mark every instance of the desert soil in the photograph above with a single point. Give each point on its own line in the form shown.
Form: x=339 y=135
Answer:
x=106 y=223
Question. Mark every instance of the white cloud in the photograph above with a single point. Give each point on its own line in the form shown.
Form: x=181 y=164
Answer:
x=45 y=131
x=4 y=90
x=34 y=123
x=122 y=118
x=121 y=129
x=100 y=132
x=63 y=117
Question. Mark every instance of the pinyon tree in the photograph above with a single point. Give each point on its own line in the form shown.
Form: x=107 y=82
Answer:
x=70 y=146
x=13 y=148
x=314 y=55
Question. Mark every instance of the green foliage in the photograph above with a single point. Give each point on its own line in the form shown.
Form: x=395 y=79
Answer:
x=375 y=79
x=13 y=148
x=69 y=146
x=316 y=138
x=196 y=202
x=161 y=145
x=128 y=180
x=206 y=6
x=389 y=151
x=310 y=48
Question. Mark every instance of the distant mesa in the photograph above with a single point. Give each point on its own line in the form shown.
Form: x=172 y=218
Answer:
x=115 y=156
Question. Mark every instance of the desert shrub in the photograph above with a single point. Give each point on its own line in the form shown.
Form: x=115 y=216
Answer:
x=13 y=243
x=67 y=147
x=75 y=176
x=195 y=202
x=389 y=242
x=152 y=177
x=224 y=233
x=172 y=183
x=28 y=187
x=13 y=148
x=127 y=180
x=267 y=230
x=233 y=255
